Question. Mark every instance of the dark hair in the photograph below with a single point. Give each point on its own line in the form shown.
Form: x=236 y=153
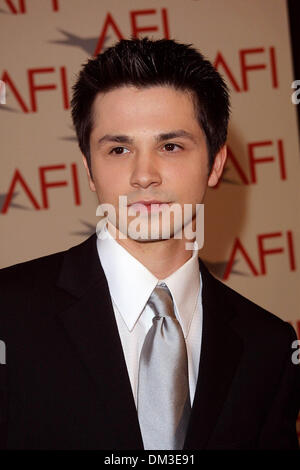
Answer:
x=145 y=63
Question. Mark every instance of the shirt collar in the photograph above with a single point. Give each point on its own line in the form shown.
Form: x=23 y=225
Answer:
x=184 y=285
x=131 y=283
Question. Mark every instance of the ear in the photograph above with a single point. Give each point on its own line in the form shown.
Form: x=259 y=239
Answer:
x=91 y=182
x=217 y=169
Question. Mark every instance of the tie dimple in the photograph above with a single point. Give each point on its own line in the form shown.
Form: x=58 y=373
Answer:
x=161 y=302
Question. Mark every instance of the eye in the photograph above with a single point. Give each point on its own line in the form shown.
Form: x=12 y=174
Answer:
x=170 y=147
x=118 y=150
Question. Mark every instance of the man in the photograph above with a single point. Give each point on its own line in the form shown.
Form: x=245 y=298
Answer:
x=126 y=341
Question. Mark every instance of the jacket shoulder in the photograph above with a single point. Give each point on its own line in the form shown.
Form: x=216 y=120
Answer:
x=43 y=269
x=25 y=270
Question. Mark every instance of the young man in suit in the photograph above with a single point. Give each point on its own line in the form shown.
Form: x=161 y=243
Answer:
x=126 y=341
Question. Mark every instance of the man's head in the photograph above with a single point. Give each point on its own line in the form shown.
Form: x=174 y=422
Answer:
x=143 y=63
x=151 y=119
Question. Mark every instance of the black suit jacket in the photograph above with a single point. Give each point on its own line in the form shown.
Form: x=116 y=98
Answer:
x=65 y=383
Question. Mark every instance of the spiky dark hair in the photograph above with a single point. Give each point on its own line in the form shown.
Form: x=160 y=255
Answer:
x=144 y=63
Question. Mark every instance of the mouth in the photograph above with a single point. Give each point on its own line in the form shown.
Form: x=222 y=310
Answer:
x=150 y=206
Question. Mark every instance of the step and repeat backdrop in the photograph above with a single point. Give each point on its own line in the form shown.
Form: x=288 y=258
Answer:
x=252 y=223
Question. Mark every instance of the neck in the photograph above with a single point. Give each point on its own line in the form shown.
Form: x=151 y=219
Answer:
x=160 y=257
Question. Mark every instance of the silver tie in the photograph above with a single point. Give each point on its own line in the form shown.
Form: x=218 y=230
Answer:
x=163 y=392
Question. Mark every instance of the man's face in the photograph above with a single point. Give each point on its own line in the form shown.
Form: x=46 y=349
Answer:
x=147 y=145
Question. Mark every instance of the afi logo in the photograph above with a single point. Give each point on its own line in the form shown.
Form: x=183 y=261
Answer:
x=17 y=7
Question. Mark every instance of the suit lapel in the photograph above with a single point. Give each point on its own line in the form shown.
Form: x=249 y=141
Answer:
x=220 y=354
x=90 y=323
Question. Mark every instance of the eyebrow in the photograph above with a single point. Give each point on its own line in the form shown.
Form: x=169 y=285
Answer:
x=125 y=139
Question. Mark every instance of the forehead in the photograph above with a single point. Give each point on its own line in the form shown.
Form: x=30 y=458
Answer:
x=129 y=105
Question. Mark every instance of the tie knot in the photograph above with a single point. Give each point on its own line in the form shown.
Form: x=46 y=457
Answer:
x=161 y=302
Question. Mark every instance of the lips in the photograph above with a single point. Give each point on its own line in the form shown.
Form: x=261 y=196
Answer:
x=147 y=203
x=151 y=206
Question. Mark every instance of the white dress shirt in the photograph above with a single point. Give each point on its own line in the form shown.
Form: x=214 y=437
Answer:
x=131 y=284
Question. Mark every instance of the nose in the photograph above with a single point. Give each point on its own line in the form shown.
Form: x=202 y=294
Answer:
x=145 y=171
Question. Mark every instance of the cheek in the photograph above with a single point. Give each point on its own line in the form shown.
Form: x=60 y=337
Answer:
x=109 y=185
x=189 y=180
